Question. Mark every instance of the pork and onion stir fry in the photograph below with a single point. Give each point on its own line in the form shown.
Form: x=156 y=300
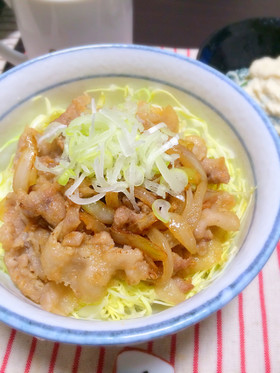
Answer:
x=61 y=253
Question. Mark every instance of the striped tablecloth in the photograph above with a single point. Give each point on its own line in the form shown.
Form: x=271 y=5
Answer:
x=242 y=337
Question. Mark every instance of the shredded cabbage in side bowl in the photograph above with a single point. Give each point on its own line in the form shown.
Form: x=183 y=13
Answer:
x=102 y=131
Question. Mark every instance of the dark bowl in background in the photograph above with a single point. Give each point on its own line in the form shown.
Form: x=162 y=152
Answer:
x=237 y=45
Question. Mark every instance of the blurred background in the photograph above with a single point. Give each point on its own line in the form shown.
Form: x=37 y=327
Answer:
x=187 y=23
x=179 y=23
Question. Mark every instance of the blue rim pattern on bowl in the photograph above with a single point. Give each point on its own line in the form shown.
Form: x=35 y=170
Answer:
x=176 y=323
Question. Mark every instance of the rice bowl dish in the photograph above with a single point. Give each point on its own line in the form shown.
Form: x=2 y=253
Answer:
x=147 y=203
x=118 y=205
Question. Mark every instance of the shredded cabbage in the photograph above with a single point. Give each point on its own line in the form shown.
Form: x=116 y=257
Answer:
x=3 y=267
x=110 y=146
x=122 y=301
x=6 y=180
x=6 y=186
x=41 y=122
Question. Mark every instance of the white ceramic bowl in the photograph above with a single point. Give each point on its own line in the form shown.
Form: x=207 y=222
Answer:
x=235 y=119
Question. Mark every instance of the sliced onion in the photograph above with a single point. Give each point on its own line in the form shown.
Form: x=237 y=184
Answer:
x=170 y=293
x=112 y=200
x=93 y=106
x=170 y=238
x=179 y=179
x=188 y=159
x=52 y=131
x=165 y=147
x=181 y=230
x=155 y=128
x=100 y=211
x=144 y=195
x=85 y=201
x=194 y=203
x=25 y=172
x=40 y=166
x=156 y=188
x=158 y=238
x=135 y=240
x=74 y=186
x=176 y=178
x=93 y=224
x=130 y=196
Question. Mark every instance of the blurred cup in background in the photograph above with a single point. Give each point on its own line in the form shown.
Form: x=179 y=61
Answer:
x=49 y=25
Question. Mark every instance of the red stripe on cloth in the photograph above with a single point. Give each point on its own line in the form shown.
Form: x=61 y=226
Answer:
x=219 y=342
x=264 y=325
x=8 y=351
x=30 y=355
x=150 y=347
x=173 y=349
x=196 y=348
x=100 y=363
x=175 y=50
x=278 y=253
x=76 y=359
x=241 y=334
x=188 y=52
x=53 y=357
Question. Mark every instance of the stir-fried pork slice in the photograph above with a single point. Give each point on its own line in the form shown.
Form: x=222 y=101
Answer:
x=179 y=263
x=151 y=115
x=124 y=217
x=92 y=224
x=48 y=162
x=58 y=298
x=127 y=219
x=71 y=220
x=132 y=262
x=202 y=245
x=205 y=261
x=216 y=211
x=24 y=265
x=174 y=291
x=36 y=239
x=183 y=285
x=12 y=232
x=88 y=269
x=86 y=189
x=226 y=220
x=220 y=199
x=196 y=145
x=55 y=148
x=20 y=270
x=75 y=109
x=74 y=239
x=52 y=149
x=145 y=209
x=22 y=242
x=216 y=170
x=45 y=201
x=26 y=140
x=24 y=171
x=146 y=197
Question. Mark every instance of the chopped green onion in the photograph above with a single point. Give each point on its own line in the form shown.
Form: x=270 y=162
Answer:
x=161 y=210
x=111 y=148
x=176 y=178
